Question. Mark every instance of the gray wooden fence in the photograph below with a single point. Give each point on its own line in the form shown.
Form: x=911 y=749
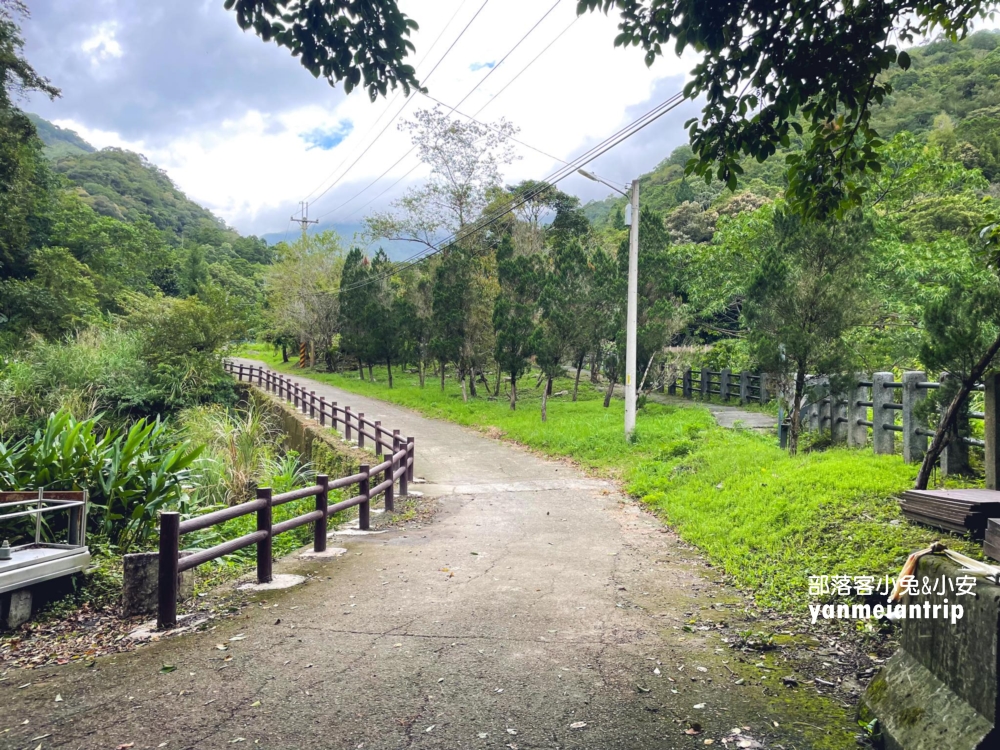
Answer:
x=876 y=408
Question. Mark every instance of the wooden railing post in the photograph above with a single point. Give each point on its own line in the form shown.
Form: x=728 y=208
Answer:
x=347 y=422
x=312 y=404
x=364 y=489
x=333 y=415
x=322 y=503
x=412 y=449
x=378 y=438
x=167 y=575
x=686 y=383
x=724 y=378
x=404 y=477
x=260 y=377
x=705 y=376
x=389 y=503
x=239 y=374
x=322 y=411
x=264 y=546
x=361 y=429
x=300 y=401
x=764 y=396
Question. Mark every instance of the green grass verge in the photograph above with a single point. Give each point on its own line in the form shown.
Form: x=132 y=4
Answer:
x=769 y=519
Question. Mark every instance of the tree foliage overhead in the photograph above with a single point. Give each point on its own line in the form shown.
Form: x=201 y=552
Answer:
x=359 y=42
x=774 y=70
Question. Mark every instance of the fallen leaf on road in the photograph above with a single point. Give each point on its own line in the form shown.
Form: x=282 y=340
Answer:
x=692 y=731
x=238 y=637
x=222 y=647
x=430 y=727
x=483 y=735
x=578 y=725
x=641 y=689
x=59 y=699
x=699 y=705
x=511 y=731
x=255 y=704
x=167 y=668
x=125 y=746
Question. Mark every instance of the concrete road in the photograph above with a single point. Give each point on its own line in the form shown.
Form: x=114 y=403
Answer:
x=537 y=599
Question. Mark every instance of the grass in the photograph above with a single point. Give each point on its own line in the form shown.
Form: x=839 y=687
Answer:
x=771 y=520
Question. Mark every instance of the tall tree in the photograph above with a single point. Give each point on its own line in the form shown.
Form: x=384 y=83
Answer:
x=514 y=312
x=805 y=293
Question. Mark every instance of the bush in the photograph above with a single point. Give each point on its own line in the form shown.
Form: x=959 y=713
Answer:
x=131 y=475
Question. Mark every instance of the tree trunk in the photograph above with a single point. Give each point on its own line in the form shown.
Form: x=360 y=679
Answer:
x=513 y=392
x=423 y=373
x=371 y=377
x=642 y=383
x=548 y=387
x=388 y=367
x=461 y=376
x=496 y=389
x=793 y=433
x=609 y=392
x=442 y=375
x=579 y=369
x=951 y=414
x=545 y=400
x=595 y=369
x=472 y=383
x=361 y=370
x=284 y=353
x=539 y=381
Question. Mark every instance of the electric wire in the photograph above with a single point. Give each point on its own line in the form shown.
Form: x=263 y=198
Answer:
x=400 y=110
x=471 y=117
x=388 y=107
x=519 y=199
x=464 y=98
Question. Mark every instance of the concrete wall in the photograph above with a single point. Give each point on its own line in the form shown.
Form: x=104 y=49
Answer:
x=940 y=690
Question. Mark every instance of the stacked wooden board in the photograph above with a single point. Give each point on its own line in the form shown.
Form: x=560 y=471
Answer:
x=961 y=511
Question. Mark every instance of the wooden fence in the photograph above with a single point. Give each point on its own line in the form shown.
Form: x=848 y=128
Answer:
x=371 y=481
x=868 y=410
x=744 y=386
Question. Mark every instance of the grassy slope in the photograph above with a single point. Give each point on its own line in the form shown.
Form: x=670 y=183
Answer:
x=771 y=520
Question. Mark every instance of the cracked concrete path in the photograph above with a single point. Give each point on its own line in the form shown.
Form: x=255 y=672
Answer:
x=537 y=598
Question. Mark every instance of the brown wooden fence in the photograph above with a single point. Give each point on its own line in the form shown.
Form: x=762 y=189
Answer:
x=397 y=466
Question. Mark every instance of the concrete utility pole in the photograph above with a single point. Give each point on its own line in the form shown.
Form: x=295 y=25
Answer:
x=633 y=300
x=632 y=314
x=304 y=219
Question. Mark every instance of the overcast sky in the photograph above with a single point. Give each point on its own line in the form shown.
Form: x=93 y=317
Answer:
x=242 y=128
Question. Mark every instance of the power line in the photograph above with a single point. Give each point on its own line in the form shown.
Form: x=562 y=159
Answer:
x=464 y=98
x=400 y=110
x=520 y=199
x=395 y=98
x=471 y=117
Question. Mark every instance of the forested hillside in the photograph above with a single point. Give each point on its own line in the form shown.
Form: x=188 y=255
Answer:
x=949 y=97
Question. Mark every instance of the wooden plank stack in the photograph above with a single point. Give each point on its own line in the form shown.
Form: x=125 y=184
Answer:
x=961 y=511
x=991 y=545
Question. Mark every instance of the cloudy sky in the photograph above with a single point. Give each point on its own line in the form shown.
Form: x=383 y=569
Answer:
x=242 y=128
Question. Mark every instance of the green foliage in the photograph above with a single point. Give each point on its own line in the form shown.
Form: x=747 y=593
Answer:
x=130 y=474
x=773 y=73
x=359 y=43
x=58 y=141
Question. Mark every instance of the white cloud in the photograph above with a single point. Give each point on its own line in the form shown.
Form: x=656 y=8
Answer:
x=102 y=45
x=255 y=167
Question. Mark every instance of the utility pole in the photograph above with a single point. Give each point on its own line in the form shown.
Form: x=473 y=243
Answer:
x=632 y=312
x=304 y=221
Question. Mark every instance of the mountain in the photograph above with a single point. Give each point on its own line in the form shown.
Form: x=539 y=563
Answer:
x=950 y=96
x=126 y=186
x=59 y=141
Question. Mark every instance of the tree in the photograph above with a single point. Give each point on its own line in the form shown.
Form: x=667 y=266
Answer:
x=464 y=160
x=514 y=313
x=770 y=67
x=452 y=301
x=302 y=288
x=359 y=42
x=566 y=306
x=355 y=336
x=805 y=293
